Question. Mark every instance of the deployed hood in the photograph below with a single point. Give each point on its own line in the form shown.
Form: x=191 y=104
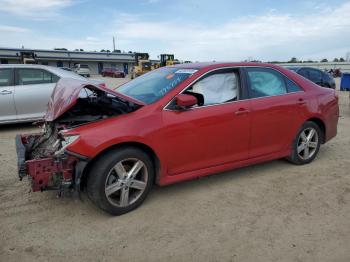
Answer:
x=66 y=94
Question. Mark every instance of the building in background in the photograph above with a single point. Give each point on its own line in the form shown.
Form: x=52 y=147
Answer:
x=62 y=58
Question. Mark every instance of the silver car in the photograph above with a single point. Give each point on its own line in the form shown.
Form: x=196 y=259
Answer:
x=26 y=89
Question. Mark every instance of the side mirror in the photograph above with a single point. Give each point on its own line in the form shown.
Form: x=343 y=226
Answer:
x=184 y=101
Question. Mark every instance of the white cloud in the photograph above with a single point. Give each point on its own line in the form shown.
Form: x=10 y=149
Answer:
x=38 y=9
x=5 y=29
x=270 y=36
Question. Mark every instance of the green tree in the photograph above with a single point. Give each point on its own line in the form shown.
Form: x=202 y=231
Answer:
x=293 y=60
x=335 y=60
x=341 y=59
x=324 y=60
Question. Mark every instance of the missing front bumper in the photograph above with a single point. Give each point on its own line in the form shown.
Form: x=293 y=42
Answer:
x=49 y=173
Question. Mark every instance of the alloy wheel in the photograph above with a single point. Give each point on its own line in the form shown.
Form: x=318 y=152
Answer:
x=307 y=143
x=126 y=182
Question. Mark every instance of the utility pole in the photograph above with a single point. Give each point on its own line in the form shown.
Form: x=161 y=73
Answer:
x=113 y=44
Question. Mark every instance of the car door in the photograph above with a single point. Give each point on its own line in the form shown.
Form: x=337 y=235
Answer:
x=275 y=113
x=207 y=135
x=33 y=89
x=7 y=103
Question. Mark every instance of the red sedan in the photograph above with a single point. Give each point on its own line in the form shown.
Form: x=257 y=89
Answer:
x=174 y=124
x=112 y=73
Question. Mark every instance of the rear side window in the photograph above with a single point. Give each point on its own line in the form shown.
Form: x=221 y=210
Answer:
x=265 y=82
x=54 y=78
x=5 y=77
x=292 y=87
x=27 y=76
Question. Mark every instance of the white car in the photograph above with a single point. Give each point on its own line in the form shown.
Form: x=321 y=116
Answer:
x=25 y=90
x=82 y=70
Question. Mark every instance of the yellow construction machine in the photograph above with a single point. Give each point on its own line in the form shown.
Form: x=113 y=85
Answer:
x=168 y=60
x=142 y=65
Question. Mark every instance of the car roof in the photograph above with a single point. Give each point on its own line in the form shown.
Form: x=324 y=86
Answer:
x=296 y=68
x=56 y=70
x=26 y=65
x=203 y=65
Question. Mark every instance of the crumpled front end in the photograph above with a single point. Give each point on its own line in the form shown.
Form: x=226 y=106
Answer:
x=48 y=168
x=45 y=157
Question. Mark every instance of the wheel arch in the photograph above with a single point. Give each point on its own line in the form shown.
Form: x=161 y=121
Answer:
x=145 y=148
x=320 y=123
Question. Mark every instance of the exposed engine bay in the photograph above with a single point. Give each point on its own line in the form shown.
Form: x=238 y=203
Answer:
x=92 y=105
x=42 y=156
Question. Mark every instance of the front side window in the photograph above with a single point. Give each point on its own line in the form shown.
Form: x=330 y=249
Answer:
x=315 y=75
x=265 y=82
x=28 y=76
x=327 y=77
x=5 y=77
x=151 y=87
x=217 y=88
x=304 y=73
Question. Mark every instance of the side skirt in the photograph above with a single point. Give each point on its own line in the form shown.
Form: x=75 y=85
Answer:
x=167 y=180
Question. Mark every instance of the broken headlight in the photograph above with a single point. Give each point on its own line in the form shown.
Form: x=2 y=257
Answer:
x=65 y=142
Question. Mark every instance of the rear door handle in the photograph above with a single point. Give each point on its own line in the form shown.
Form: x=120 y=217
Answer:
x=242 y=111
x=301 y=101
x=5 y=92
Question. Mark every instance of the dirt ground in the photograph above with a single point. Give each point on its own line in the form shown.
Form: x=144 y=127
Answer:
x=268 y=212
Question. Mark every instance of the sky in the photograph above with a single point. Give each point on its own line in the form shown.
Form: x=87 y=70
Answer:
x=196 y=30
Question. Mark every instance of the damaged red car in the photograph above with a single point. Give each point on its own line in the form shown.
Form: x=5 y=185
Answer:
x=173 y=124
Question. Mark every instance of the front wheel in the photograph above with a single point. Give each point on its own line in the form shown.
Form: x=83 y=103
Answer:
x=306 y=144
x=120 y=180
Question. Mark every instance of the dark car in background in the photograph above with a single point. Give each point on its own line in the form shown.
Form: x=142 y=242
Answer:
x=112 y=72
x=315 y=75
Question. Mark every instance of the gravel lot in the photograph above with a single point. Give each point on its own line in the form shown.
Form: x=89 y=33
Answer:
x=268 y=212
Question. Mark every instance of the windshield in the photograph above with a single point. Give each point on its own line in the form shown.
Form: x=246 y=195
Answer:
x=153 y=86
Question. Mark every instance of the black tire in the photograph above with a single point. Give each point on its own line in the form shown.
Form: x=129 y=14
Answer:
x=296 y=157
x=101 y=171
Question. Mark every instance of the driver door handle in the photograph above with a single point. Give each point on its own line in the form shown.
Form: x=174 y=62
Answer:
x=5 y=92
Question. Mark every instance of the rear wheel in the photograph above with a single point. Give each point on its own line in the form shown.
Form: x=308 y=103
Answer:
x=120 y=180
x=306 y=144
